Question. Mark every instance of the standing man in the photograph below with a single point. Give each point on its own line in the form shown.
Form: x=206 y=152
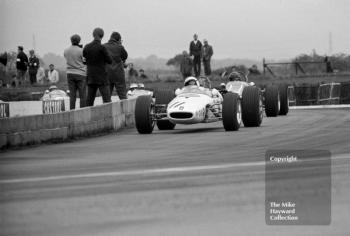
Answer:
x=186 y=65
x=76 y=72
x=196 y=52
x=207 y=54
x=97 y=57
x=115 y=71
x=33 y=67
x=52 y=75
x=21 y=65
x=132 y=74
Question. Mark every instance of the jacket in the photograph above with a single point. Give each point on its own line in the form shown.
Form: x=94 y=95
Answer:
x=186 y=66
x=22 y=61
x=96 y=57
x=196 y=49
x=115 y=71
x=33 y=65
x=207 y=52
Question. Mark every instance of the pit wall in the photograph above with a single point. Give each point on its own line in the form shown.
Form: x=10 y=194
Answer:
x=35 y=129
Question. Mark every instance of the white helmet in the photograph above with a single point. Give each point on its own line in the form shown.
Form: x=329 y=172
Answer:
x=141 y=85
x=133 y=86
x=189 y=79
x=53 y=87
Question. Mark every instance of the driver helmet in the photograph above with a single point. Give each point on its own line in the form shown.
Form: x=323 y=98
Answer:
x=141 y=85
x=133 y=86
x=191 y=81
x=52 y=88
x=222 y=85
x=234 y=76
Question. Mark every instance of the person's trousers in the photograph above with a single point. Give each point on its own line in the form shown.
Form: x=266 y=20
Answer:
x=77 y=83
x=91 y=94
x=120 y=87
x=32 y=77
x=21 y=77
x=207 y=69
x=197 y=65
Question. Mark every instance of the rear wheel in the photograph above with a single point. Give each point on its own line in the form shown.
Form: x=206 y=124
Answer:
x=144 y=112
x=284 y=105
x=252 y=112
x=231 y=112
x=164 y=97
x=272 y=101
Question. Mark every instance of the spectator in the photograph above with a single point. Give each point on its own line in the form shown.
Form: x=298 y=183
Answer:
x=329 y=67
x=186 y=65
x=97 y=57
x=40 y=76
x=115 y=71
x=207 y=54
x=142 y=74
x=33 y=66
x=52 y=75
x=21 y=65
x=76 y=72
x=132 y=74
x=196 y=52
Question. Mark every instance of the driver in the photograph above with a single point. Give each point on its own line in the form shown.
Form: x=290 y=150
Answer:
x=189 y=82
x=141 y=86
x=234 y=76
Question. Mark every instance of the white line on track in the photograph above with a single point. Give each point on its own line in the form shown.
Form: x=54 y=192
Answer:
x=319 y=107
x=149 y=171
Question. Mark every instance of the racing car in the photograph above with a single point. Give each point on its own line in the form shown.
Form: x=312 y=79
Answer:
x=274 y=99
x=196 y=103
x=53 y=93
x=136 y=90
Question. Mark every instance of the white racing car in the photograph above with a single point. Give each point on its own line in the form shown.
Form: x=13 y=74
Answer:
x=274 y=99
x=136 y=90
x=53 y=93
x=197 y=103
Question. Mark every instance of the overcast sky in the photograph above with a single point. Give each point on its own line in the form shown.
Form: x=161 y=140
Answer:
x=235 y=28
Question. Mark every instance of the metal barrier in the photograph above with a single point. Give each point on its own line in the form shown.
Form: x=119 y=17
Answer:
x=53 y=106
x=4 y=109
x=306 y=94
x=291 y=96
x=329 y=93
x=345 y=93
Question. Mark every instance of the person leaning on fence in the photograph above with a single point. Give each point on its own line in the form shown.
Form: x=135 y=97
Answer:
x=76 y=72
x=115 y=71
x=33 y=67
x=97 y=57
x=21 y=65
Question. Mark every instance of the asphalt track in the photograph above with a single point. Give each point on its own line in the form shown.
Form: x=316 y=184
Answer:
x=195 y=180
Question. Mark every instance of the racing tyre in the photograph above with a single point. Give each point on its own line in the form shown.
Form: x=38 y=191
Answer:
x=252 y=112
x=231 y=112
x=164 y=97
x=144 y=108
x=272 y=101
x=284 y=103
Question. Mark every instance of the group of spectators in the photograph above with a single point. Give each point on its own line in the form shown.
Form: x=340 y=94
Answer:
x=95 y=67
x=198 y=53
x=133 y=75
x=35 y=71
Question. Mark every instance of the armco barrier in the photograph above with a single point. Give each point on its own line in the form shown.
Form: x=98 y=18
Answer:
x=329 y=93
x=34 y=129
x=345 y=93
x=306 y=94
x=291 y=96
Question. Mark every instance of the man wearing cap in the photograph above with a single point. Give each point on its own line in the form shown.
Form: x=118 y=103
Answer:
x=115 y=71
x=97 y=57
x=33 y=66
x=21 y=65
x=76 y=72
x=196 y=52
x=207 y=54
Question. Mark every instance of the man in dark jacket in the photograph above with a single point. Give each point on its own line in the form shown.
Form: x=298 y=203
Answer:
x=21 y=65
x=33 y=66
x=96 y=56
x=115 y=71
x=207 y=54
x=186 y=65
x=196 y=52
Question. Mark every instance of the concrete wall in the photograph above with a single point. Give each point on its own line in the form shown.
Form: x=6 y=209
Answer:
x=34 y=129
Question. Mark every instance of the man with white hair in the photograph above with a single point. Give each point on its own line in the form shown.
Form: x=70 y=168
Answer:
x=207 y=54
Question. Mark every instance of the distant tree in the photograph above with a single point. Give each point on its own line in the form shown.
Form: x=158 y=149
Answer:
x=175 y=61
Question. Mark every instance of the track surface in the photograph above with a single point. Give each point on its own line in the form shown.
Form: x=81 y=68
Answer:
x=195 y=180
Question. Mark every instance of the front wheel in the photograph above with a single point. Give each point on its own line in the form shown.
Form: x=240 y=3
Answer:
x=272 y=101
x=144 y=112
x=252 y=110
x=284 y=105
x=231 y=112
